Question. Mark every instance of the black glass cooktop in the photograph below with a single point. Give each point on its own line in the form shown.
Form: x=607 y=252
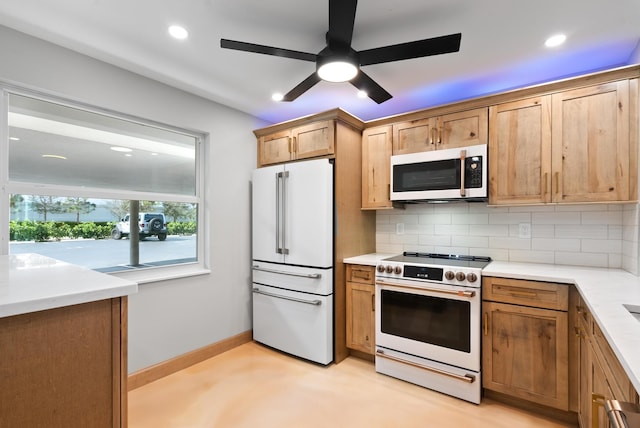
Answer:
x=441 y=259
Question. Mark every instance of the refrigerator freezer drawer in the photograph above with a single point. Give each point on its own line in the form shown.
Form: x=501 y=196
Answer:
x=297 y=323
x=306 y=280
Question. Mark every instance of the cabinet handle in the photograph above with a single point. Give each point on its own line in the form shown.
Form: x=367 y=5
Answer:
x=545 y=180
x=431 y=139
x=597 y=401
x=576 y=330
x=295 y=144
x=373 y=303
x=439 y=134
x=485 y=324
x=289 y=143
x=557 y=182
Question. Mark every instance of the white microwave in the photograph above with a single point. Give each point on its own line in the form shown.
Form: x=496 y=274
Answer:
x=439 y=175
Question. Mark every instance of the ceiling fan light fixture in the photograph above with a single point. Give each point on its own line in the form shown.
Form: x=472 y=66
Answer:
x=337 y=69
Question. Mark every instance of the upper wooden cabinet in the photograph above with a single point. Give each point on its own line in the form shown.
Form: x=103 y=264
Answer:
x=570 y=146
x=590 y=144
x=520 y=152
x=376 y=166
x=302 y=142
x=467 y=128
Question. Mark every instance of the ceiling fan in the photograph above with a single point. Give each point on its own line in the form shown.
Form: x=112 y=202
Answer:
x=339 y=62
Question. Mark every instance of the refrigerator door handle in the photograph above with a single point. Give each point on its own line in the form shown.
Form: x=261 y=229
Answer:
x=280 y=272
x=293 y=299
x=285 y=250
x=278 y=178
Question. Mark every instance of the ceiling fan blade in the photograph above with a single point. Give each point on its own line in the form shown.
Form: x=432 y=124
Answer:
x=374 y=91
x=342 y=15
x=417 y=49
x=267 y=50
x=302 y=87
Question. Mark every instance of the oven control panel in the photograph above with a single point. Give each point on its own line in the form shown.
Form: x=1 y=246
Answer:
x=442 y=274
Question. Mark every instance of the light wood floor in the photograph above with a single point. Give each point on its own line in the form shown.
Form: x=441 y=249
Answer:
x=253 y=386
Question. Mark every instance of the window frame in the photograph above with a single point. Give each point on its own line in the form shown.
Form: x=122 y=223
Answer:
x=142 y=274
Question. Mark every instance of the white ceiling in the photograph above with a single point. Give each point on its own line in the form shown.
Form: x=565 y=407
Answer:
x=502 y=46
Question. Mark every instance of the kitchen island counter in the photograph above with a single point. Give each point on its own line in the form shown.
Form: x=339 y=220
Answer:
x=31 y=282
x=63 y=344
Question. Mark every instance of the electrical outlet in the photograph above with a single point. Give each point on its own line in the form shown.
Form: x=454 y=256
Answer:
x=524 y=230
x=399 y=228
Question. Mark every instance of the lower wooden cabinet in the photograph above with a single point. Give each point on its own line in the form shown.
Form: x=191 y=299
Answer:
x=525 y=348
x=601 y=376
x=361 y=308
x=65 y=367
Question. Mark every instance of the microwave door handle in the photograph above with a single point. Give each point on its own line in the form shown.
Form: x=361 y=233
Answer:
x=463 y=155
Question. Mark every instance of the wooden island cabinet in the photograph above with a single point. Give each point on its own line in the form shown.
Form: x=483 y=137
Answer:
x=63 y=345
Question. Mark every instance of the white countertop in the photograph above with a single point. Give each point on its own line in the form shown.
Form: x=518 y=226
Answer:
x=603 y=290
x=31 y=282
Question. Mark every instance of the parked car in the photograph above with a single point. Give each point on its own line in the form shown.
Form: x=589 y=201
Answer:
x=151 y=224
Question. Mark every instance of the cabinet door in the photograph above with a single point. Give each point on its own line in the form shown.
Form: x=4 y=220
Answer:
x=590 y=141
x=274 y=148
x=520 y=152
x=525 y=353
x=414 y=136
x=361 y=317
x=584 y=388
x=313 y=140
x=376 y=166
x=599 y=393
x=467 y=128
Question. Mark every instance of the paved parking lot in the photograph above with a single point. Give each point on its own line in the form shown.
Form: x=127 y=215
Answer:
x=104 y=254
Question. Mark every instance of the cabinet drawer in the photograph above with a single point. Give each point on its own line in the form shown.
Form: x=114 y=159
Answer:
x=545 y=295
x=361 y=274
x=616 y=377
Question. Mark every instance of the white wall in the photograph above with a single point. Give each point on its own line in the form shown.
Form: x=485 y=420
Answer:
x=598 y=235
x=169 y=318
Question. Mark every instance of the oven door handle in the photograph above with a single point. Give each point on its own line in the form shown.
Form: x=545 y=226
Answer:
x=293 y=299
x=461 y=293
x=465 y=378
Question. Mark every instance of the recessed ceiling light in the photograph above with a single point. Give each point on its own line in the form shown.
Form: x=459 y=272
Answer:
x=54 y=157
x=362 y=94
x=14 y=138
x=121 y=149
x=128 y=155
x=555 y=40
x=178 y=32
x=277 y=96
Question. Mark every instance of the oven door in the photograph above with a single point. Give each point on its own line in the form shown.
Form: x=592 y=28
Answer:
x=440 y=174
x=430 y=320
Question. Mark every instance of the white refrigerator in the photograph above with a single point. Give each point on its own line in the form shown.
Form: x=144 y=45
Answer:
x=293 y=258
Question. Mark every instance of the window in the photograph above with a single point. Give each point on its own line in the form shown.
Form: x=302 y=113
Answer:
x=75 y=175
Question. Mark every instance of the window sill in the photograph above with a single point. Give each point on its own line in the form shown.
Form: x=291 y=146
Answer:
x=147 y=276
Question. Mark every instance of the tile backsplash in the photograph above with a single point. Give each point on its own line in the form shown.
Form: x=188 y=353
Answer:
x=598 y=235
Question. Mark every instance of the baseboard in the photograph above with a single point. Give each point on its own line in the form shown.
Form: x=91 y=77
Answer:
x=165 y=368
x=567 y=417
